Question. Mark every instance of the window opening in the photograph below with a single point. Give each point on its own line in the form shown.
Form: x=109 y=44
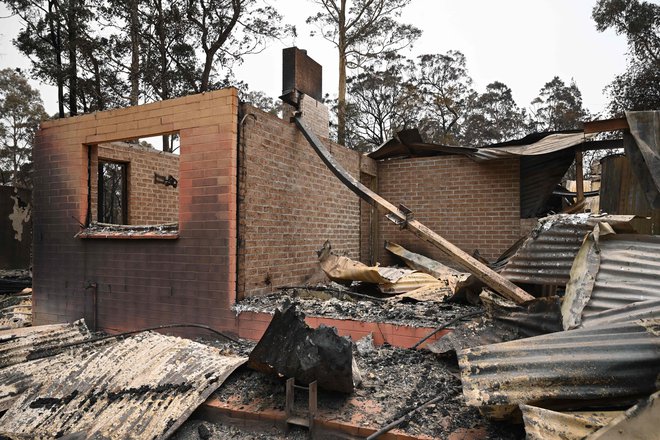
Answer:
x=112 y=193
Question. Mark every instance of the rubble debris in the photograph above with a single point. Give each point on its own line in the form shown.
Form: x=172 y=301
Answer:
x=456 y=281
x=403 y=217
x=610 y=271
x=365 y=345
x=141 y=387
x=412 y=314
x=106 y=230
x=14 y=280
x=16 y=309
x=546 y=256
x=504 y=321
x=611 y=364
x=390 y=280
x=290 y=348
x=444 y=326
x=545 y=424
x=394 y=381
x=22 y=344
x=638 y=423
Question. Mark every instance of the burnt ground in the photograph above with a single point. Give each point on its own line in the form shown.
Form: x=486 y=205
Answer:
x=338 y=305
x=395 y=380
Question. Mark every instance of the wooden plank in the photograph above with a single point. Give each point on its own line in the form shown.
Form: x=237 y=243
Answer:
x=491 y=278
x=606 y=125
x=579 y=177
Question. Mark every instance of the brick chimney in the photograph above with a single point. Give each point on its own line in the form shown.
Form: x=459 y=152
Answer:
x=302 y=80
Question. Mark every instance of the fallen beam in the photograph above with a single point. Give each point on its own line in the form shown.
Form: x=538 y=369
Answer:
x=404 y=219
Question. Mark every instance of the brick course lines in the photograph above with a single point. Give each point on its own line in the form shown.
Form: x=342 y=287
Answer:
x=473 y=205
x=140 y=283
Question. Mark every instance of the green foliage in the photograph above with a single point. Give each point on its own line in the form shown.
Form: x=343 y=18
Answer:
x=102 y=54
x=494 y=117
x=558 y=107
x=21 y=111
x=639 y=21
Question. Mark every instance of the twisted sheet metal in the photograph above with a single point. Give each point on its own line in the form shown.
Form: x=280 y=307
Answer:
x=617 y=362
x=19 y=345
x=546 y=256
x=544 y=424
x=142 y=387
x=629 y=272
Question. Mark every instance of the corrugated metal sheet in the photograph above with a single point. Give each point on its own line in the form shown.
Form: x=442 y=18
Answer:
x=548 y=144
x=547 y=255
x=611 y=271
x=544 y=424
x=409 y=143
x=629 y=272
x=607 y=364
x=621 y=193
x=142 y=387
x=19 y=345
x=631 y=312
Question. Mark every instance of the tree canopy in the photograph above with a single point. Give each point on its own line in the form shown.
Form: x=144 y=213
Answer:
x=21 y=111
x=638 y=88
x=361 y=30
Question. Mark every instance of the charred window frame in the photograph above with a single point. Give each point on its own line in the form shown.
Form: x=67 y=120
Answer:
x=112 y=205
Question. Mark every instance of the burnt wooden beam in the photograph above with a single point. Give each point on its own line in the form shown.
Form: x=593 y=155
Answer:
x=404 y=219
x=606 y=125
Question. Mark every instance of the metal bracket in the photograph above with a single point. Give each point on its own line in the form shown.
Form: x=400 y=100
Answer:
x=167 y=181
x=401 y=222
x=291 y=417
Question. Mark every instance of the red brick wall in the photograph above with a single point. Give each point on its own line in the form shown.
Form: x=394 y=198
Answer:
x=148 y=203
x=473 y=205
x=290 y=204
x=140 y=282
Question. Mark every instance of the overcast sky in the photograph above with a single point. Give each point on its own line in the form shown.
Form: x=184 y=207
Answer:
x=522 y=43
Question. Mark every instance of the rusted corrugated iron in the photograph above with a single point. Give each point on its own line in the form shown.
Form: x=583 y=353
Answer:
x=611 y=271
x=545 y=424
x=142 y=387
x=546 y=256
x=21 y=344
x=606 y=364
x=630 y=312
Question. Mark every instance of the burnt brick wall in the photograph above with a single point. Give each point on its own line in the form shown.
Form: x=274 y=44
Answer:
x=473 y=205
x=140 y=283
x=148 y=203
x=290 y=203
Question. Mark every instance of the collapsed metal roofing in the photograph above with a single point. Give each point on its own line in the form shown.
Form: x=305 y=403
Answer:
x=611 y=363
x=612 y=271
x=409 y=143
x=22 y=344
x=141 y=387
x=546 y=256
